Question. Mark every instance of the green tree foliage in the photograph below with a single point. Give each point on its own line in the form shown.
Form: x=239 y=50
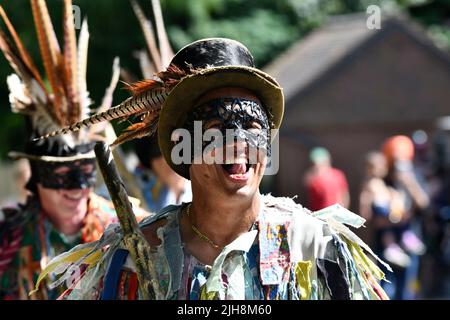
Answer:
x=267 y=27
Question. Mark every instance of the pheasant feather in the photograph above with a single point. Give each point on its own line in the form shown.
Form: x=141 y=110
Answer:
x=148 y=101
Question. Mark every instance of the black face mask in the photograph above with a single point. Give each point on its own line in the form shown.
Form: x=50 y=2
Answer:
x=239 y=115
x=81 y=174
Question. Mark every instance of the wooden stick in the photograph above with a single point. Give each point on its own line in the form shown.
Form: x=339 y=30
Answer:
x=133 y=238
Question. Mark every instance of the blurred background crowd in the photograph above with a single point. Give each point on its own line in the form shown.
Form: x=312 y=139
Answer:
x=367 y=120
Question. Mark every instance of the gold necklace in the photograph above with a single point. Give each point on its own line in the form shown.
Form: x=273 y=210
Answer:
x=198 y=233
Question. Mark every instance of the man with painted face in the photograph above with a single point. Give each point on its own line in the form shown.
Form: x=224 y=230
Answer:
x=215 y=127
x=61 y=211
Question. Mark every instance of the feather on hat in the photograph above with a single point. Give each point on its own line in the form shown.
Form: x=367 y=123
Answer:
x=67 y=99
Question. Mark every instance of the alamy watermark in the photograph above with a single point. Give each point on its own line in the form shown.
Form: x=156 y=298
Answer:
x=373 y=21
x=76 y=16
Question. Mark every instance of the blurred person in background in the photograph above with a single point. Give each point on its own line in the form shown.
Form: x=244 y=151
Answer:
x=22 y=174
x=61 y=211
x=160 y=185
x=436 y=226
x=379 y=205
x=325 y=185
x=399 y=226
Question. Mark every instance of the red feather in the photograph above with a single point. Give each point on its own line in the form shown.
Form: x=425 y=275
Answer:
x=142 y=86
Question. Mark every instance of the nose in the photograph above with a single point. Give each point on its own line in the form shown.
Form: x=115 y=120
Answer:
x=240 y=146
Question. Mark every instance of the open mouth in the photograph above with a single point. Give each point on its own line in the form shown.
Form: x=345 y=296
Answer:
x=237 y=168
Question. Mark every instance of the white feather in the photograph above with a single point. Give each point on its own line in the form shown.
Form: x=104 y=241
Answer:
x=83 y=43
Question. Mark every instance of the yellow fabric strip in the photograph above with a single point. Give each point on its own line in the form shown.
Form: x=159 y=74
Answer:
x=367 y=264
x=303 y=278
x=93 y=258
x=368 y=271
x=70 y=258
x=205 y=295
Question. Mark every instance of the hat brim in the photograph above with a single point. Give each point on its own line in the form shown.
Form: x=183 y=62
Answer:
x=185 y=94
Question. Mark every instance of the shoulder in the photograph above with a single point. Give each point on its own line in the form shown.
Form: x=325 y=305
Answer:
x=15 y=218
x=150 y=225
x=322 y=237
x=285 y=208
x=305 y=231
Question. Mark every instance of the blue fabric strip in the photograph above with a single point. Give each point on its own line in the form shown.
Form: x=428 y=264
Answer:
x=112 y=276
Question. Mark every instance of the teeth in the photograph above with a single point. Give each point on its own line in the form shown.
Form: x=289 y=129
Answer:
x=236 y=161
x=229 y=161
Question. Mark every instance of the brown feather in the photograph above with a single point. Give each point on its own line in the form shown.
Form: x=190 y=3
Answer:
x=172 y=75
x=139 y=87
x=24 y=55
x=13 y=57
x=136 y=131
x=70 y=63
x=50 y=52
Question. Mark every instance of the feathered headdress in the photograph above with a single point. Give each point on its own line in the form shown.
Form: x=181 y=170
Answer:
x=164 y=101
x=67 y=100
x=147 y=95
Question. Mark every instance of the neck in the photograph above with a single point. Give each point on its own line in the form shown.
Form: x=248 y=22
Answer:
x=223 y=221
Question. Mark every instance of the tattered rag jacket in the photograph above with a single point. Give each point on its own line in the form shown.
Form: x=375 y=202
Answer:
x=290 y=253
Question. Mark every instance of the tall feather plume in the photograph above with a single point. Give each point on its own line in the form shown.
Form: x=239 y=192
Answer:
x=160 y=58
x=70 y=64
x=20 y=61
x=147 y=95
x=50 y=52
x=148 y=34
x=27 y=93
x=147 y=67
x=68 y=101
x=24 y=55
x=108 y=97
x=19 y=66
x=166 y=51
x=83 y=44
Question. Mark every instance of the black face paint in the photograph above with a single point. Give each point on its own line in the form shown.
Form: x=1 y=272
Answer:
x=239 y=115
x=79 y=174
